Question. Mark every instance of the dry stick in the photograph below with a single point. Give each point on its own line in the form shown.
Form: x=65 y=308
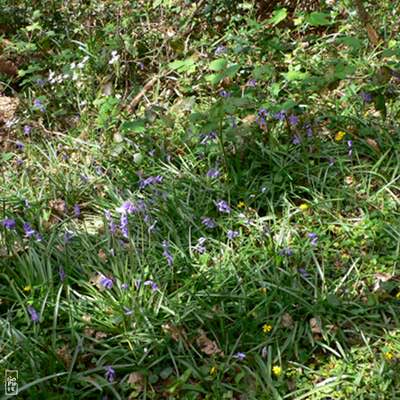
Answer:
x=365 y=19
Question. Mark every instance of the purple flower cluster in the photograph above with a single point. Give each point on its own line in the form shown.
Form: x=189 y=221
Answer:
x=33 y=314
x=240 y=356
x=205 y=138
x=152 y=284
x=314 y=238
x=280 y=116
x=111 y=224
x=110 y=373
x=208 y=222
x=213 y=173
x=9 y=223
x=232 y=234
x=38 y=105
x=223 y=206
x=30 y=232
x=151 y=180
x=166 y=253
x=106 y=282
x=200 y=248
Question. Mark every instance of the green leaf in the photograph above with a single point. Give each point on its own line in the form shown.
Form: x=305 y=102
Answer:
x=318 y=19
x=188 y=65
x=278 y=16
x=263 y=72
x=232 y=70
x=349 y=41
x=218 y=65
x=214 y=78
x=137 y=126
x=295 y=75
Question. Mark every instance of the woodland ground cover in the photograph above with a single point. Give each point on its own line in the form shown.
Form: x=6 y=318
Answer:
x=200 y=200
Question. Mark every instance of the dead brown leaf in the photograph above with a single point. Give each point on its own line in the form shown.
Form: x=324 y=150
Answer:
x=100 y=335
x=175 y=332
x=102 y=255
x=207 y=345
x=65 y=355
x=315 y=325
x=58 y=206
x=8 y=108
x=136 y=379
x=373 y=143
x=287 y=321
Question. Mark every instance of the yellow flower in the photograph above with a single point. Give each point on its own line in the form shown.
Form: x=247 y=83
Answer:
x=340 y=135
x=213 y=370
x=388 y=356
x=277 y=370
x=267 y=328
x=241 y=204
x=263 y=290
x=304 y=207
x=398 y=296
x=27 y=288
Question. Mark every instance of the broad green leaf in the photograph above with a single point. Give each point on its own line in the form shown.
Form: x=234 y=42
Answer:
x=278 y=16
x=218 y=65
x=188 y=65
x=214 y=78
x=232 y=70
x=318 y=18
x=137 y=126
x=295 y=75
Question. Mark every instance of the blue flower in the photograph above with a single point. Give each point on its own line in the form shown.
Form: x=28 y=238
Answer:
x=232 y=234
x=77 y=210
x=110 y=373
x=287 y=251
x=8 y=223
x=314 y=238
x=296 y=140
x=213 y=173
x=280 y=116
x=208 y=222
x=220 y=50
x=166 y=253
x=200 y=248
x=33 y=314
x=293 y=120
x=223 y=206
x=106 y=282
x=152 y=284
x=240 y=356
x=29 y=231
x=38 y=105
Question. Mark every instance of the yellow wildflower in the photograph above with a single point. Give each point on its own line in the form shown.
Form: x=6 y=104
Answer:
x=213 y=370
x=340 y=135
x=263 y=290
x=388 y=356
x=241 y=204
x=27 y=288
x=398 y=296
x=277 y=370
x=267 y=328
x=304 y=207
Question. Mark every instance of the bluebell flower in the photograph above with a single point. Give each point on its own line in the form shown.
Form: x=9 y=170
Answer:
x=223 y=206
x=314 y=238
x=61 y=274
x=124 y=286
x=128 y=311
x=232 y=234
x=240 y=356
x=293 y=120
x=77 y=210
x=106 y=282
x=220 y=50
x=38 y=105
x=280 y=116
x=127 y=207
x=287 y=251
x=208 y=222
x=166 y=253
x=350 y=146
x=29 y=231
x=251 y=83
x=124 y=226
x=205 y=138
x=296 y=140
x=27 y=130
x=213 y=173
x=9 y=223
x=200 y=248
x=110 y=374
x=152 y=284
x=367 y=97
x=33 y=314
x=224 y=93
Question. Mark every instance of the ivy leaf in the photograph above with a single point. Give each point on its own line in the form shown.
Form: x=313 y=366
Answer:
x=218 y=65
x=318 y=19
x=278 y=16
